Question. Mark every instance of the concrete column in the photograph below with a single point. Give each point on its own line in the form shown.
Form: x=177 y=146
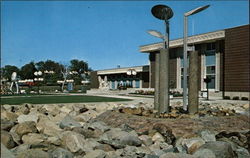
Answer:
x=193 y=94
x=217 y=67
x=116 y=84
x=217 y=71
x=164 y=81
x=178 y=73
x=157 y=84
x=133 y=83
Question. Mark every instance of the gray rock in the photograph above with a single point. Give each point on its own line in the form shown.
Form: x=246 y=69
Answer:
x=5 y=153
x=104 y=147
x=192 y=144
x=33 y=138
x=68 y=121
x=16 y=138
x=98 y=125
x=146 y=140
x=158 y=152
x=150 y=156
x=132 y=151
x=208 y=136
x=74 y=142
x=61 y=153
x=6 y=124
x=11 y=116
x=176 y=155
x=158 y=137
x=95 y=154
x=33 y=153
x=30 y=117
x=204 y=153
x=7 y=140
x=20 y=148
x=48 y=127
x=219 y=148
x=119 y=139
x=242 y=153
x=24 y=128
x=54 y=140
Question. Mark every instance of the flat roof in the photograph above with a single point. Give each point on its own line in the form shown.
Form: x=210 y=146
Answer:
x=200 y=38
x=143 y=68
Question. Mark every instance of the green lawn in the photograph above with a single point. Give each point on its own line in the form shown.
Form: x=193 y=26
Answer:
x=58 y=99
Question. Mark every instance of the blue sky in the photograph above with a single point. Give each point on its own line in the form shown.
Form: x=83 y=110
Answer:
x=103 y=33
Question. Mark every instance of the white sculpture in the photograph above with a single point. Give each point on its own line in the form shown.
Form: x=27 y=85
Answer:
x=103 y=83
x=14 y=80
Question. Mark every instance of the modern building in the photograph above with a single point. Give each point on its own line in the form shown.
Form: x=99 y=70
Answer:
x=223 y=57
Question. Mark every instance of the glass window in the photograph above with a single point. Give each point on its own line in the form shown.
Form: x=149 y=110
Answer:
x=210 y=69
x=210 y=58
x=211 y=84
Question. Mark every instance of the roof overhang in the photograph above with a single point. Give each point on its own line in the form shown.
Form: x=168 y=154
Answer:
x=123 y=70
x=196 y=39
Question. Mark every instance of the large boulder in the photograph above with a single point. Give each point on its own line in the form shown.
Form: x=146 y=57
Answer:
x=119 y=139
x=33 y=138
x=165 y=131
x=94 y=129
x=219 y=148
x=6 y=124
x=176 y=155
x=7 y=140
x=74 y=142
x=207 y=136
x=20 y=148
x=146 y=140
x=95 y=154
x=33 y=153
x=61 y=153
x=29 y=117
x=5 y=153
x=69 y=122
x=192 y=144
x=24 y=128
x=204 y=153
x=48 y=127
x=9 y=116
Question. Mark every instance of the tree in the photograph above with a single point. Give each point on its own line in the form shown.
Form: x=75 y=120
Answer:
x=79 y=66
x=50 y=66
x=7 y=71
x=27 y=71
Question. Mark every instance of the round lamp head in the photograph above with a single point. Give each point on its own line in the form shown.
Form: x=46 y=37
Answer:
x=162 y=12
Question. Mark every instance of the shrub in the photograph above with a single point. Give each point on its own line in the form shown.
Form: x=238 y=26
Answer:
x=226 y=97
x=244 y=98
x=236 y=98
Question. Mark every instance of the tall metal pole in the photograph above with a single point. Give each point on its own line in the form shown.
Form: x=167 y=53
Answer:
x=185 y=64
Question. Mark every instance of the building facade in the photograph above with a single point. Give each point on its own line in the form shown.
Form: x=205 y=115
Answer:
x=223 y=57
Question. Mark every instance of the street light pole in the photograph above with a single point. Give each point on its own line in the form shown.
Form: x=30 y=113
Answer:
x=192 y=12
x=185 y=64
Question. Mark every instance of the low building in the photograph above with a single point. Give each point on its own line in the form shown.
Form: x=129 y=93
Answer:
x=223 y=57
x=129 y=77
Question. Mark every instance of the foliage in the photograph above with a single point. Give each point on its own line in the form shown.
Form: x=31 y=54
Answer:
x=7 y=71
x=244 y=98
x=226 y=97
x=236 y=98
x=27 y=71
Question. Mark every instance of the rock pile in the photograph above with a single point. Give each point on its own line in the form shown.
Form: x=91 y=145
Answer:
x=205 y=110
x=69 y=131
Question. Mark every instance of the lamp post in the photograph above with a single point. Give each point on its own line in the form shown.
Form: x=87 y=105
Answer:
x=192 y=12
x=162 y=12
x=131 y=72
x=38 y=79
